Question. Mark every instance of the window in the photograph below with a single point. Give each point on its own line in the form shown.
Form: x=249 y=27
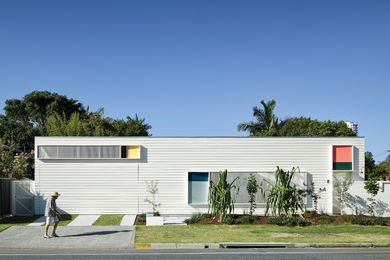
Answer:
x=198 y=187
x=109 y=152
x=342 y=157
x=89 y=152
x=85 y=152
x=131 y=152
x=67 y=152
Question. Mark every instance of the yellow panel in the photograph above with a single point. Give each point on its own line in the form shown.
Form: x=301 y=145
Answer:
x=134 y=152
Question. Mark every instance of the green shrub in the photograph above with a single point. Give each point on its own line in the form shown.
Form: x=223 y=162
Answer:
x=347 y=218
x=141 y=217
x=195 y=218
x=248 y=219
x=325 y=219
x=289 y=221
x=228 y=220
x=366 y=221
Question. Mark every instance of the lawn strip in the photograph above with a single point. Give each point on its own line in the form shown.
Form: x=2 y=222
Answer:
x=262 y=233
x=4 y=227
x=108 y=220
x=66 y=219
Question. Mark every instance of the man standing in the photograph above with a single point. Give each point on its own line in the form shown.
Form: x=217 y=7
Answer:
x=51 y=215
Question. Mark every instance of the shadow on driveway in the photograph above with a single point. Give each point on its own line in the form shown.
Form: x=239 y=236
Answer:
x=99 y=233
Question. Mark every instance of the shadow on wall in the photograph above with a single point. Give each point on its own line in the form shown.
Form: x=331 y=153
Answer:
x=356 y=162
x=40 y=205
x=359 y=206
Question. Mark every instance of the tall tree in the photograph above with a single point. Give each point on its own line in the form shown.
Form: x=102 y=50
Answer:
x=37 y=106
x=266 y=121
x=131 y=127
x=382 y=170
x=369 y=164
x=48 y=113
x=268 y=124
x=96 y=125
x=16 y=133
x=60 y=126
x=305 y=126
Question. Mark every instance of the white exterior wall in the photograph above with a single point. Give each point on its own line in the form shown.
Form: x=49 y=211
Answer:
x=357 y=203
x=118 y=186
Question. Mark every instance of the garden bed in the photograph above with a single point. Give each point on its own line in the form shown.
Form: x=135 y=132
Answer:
x=313 y=218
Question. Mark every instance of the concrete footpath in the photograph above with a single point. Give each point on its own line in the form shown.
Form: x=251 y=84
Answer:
x=92 y=237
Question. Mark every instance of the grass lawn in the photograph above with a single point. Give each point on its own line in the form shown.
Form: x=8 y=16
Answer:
x=108 y=220
x=17 y=220
x=263 y=233
x=66 y=219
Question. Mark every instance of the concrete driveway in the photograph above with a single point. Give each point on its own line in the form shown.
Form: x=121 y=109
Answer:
x=90 y=237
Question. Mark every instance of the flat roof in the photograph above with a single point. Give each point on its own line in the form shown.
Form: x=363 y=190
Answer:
x=199 y=137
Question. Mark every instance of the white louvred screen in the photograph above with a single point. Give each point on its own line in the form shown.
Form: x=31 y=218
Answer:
x=109 y=152
x=47 y=152
x=88 y=152
x=67 y=152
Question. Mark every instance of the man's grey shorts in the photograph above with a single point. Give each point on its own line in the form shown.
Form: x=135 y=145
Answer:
x=51 y=220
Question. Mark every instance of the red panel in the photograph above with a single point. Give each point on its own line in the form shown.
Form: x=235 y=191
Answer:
x=342 y=153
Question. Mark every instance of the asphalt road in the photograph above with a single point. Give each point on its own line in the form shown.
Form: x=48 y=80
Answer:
x=225 y=254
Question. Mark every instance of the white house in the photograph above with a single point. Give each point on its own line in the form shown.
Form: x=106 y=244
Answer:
x=109 y=175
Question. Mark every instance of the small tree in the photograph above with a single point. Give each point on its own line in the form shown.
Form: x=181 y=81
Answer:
x=342 y=182
x=252 y=188
x=315 y=195
x=221 y=203
x=152 y=188
x=372 y=188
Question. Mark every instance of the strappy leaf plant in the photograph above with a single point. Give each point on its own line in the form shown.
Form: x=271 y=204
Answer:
x=285 y=199
x=221 y=203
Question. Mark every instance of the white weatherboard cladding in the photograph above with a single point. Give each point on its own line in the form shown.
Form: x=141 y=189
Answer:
x=119 y=186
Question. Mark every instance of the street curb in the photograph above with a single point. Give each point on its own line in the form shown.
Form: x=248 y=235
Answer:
x=255 y=245
x=338 y=245
x=176 y=246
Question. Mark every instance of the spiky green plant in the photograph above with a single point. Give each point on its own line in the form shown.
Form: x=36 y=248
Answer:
x=221 y=203
x=285 y=199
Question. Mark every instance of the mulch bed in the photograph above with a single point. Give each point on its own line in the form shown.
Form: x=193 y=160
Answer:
x=313 y=217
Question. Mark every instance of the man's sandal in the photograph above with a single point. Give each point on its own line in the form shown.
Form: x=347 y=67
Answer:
x=45 y=236
x=54 y=235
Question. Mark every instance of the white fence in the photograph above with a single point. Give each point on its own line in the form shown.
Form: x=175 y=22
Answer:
x=356 y=199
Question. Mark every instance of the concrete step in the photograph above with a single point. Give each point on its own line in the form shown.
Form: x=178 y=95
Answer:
x=128 y=220
x=38 y=222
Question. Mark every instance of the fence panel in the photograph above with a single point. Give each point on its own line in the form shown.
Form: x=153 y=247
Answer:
x=5 y=197
x=22 y=203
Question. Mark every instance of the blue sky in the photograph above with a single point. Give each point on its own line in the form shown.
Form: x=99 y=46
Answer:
x=198 y=67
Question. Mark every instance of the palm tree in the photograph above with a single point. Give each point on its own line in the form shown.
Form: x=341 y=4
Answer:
x=266 y=120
